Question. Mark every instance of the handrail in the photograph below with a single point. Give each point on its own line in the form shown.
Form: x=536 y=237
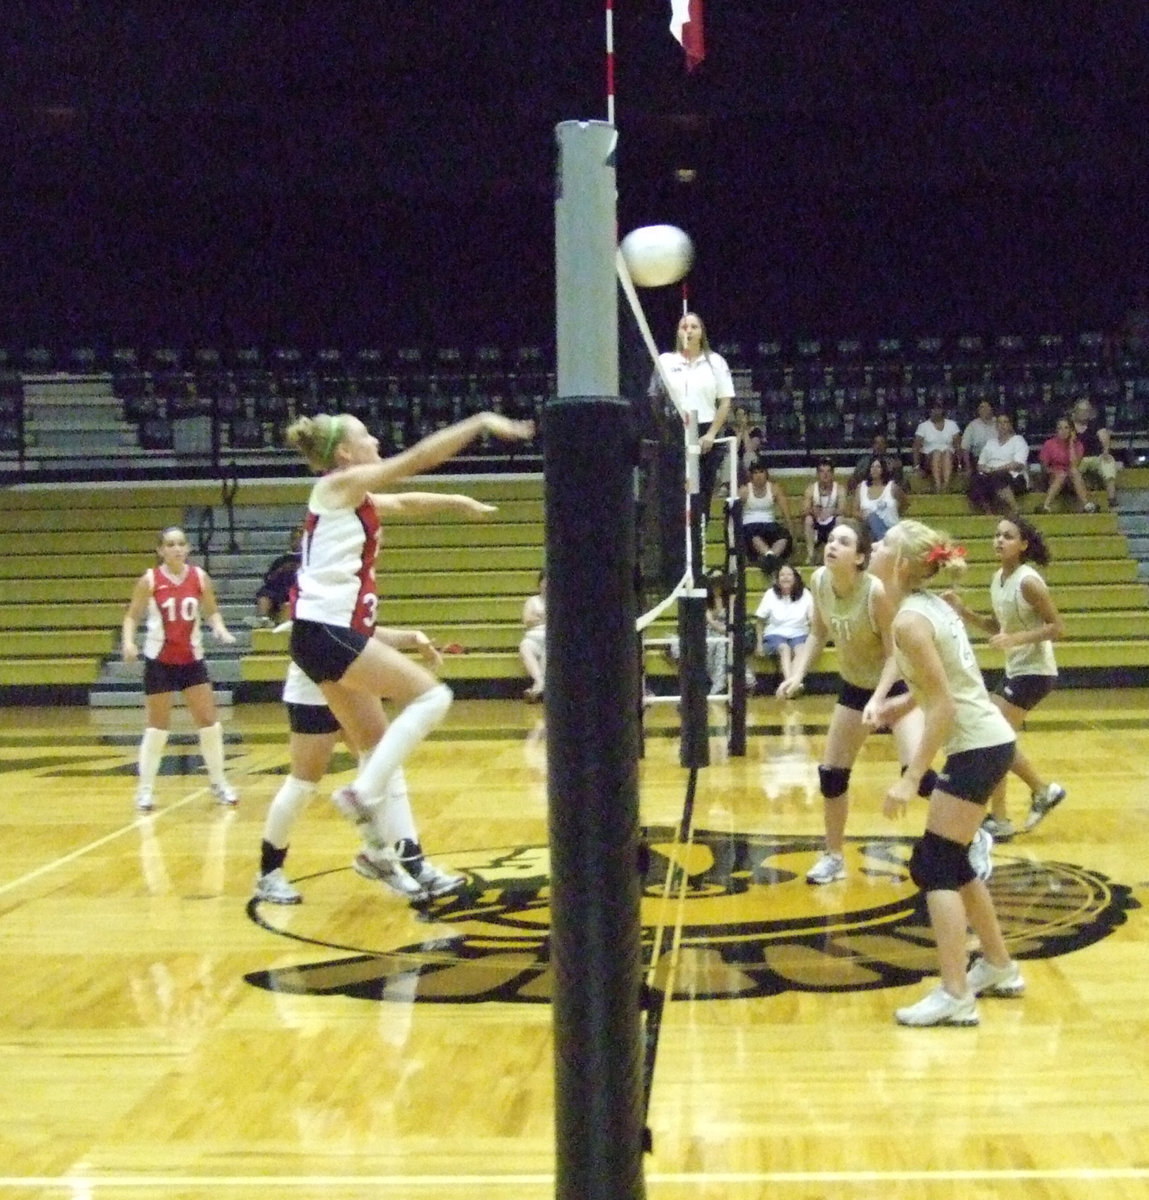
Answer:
x=229 y=489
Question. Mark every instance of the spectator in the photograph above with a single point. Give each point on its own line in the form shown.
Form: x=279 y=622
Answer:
x=765 y=520
x=975 y=435
x=1061 y=456
x=533 y=647
x=749 y=438
x=935 y=445
x=783 y=617
x=271 y=601
x=822 y=505
x=880 y=502
x=1096 y=456
x=880 y=449
x=1001 y=473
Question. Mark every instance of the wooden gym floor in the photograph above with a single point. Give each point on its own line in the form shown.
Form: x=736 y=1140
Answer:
x=160 y=1035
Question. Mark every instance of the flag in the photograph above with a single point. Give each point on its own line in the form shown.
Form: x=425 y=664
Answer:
x=686 y=25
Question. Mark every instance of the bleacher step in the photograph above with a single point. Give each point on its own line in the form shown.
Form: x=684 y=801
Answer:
x=134 y=698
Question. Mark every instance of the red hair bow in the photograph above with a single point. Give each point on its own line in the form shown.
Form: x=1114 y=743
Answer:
x=943 y=554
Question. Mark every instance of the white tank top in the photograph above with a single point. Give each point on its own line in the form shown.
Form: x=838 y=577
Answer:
x=759 y=510
x=884 y=504
x=824 y=504
x=1015 y=614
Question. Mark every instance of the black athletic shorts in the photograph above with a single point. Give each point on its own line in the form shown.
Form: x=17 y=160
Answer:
x=311 y=718
x=324 y=652
x=1026 y=691
x=852 y=696
x=160 y=678
x=973 y=774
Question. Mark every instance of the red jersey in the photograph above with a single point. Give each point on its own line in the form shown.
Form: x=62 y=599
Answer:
x=173 y=632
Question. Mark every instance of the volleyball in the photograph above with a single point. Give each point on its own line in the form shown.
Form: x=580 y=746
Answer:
x=656 y=255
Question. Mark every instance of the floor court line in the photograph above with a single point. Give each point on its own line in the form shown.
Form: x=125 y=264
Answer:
x=80 y=851
x=93 y=1183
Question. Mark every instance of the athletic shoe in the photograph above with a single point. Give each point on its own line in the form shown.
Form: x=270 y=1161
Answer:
x=940 y=1008
x=980 y=851
x=383 y=867
x=144 y=801
x=999 y=828
x=984 y=979
x=274 y=887
x=434 y=880
x=225 y=793
x=1043 y=803
x=1089 y=507
x=828 y=869
x=352 y=805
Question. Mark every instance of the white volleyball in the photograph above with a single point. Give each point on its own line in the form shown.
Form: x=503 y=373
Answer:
x=656 y=255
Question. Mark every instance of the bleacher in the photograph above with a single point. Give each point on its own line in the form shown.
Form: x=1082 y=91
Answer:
x=91 y=412
x=69 y=556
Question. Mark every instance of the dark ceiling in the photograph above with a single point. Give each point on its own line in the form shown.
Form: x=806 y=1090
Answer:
x=384 y=169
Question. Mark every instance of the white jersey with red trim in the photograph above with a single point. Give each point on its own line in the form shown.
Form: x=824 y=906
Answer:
x=335 y=584
x=173 y=633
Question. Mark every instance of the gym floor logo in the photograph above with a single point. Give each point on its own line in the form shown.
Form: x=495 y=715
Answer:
x=750 y=924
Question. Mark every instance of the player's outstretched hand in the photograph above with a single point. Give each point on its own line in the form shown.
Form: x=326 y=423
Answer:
x=507 y=429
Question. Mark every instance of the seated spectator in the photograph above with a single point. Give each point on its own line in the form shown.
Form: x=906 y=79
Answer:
x=783 y=618
x=975 y=435
x=879 y=500
x=1060 y=456
x=750 y=439
x=271 y=601
x=533 y=647
x=880 y=449
x=935 y=446
x=765 y=520
x=717 y=640
x=822 y=504
x=1096 y=456
x=1002 y=474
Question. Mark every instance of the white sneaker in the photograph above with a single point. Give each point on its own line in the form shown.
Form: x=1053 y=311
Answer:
x=434 y=880
x=1043 y=803
x=828 y=869
x=984 y=979
x=144 y=800
x=980 y=852
x=999 y=828
x=940 y=1008
x=274 y=888
x=225 y=793
x=384 y=867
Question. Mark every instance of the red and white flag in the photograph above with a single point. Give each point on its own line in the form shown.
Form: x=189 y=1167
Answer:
x=686 y=25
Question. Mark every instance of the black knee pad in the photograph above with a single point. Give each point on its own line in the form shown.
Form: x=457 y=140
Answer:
x=929 y=781
x=939 y=865
x=834 y=781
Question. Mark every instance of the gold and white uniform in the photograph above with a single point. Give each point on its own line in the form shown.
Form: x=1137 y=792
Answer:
x=1015 y=614
x=978 y=722
x=852 y=628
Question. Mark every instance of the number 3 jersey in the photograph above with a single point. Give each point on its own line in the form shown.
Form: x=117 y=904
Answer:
x=173 y=631
x=335 y=584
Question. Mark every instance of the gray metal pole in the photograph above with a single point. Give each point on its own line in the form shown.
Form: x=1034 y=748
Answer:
x=592 y=698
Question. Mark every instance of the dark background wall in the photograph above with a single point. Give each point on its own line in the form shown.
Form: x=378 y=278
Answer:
x=380 y=173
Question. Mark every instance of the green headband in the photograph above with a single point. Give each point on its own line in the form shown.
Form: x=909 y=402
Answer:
x=334 y=432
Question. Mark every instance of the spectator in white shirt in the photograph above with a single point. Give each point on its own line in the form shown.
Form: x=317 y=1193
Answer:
x=936 y=445
x=1002 y=473
x=784 y=617
x=976 y=434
